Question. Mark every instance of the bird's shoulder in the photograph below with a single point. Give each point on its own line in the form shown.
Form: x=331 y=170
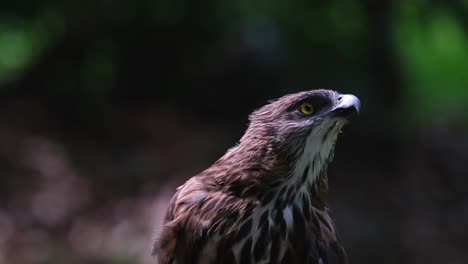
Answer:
x=198 y=210
x=328 y=243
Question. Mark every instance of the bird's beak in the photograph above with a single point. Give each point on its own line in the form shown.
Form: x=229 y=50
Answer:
x=347 y=106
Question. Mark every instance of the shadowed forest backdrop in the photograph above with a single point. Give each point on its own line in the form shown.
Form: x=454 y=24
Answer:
x=107 y=106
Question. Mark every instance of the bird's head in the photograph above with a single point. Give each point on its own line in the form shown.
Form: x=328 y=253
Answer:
x=302 y=127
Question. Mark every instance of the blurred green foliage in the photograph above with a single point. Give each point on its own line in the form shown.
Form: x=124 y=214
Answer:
x=427 y=40
x=19 y=47
x=433 y=49
x=24 y=40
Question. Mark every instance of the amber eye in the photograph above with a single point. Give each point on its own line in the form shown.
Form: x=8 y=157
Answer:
x=306 y=108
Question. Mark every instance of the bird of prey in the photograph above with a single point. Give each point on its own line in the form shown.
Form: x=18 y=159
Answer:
x=264 y=200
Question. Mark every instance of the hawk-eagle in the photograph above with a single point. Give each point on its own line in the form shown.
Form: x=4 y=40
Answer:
x=264 y=200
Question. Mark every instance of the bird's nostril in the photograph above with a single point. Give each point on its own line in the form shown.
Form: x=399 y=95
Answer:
x=340 y=98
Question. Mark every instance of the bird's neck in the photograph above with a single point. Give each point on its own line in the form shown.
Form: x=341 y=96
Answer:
x=309 y=174
x=262 y=170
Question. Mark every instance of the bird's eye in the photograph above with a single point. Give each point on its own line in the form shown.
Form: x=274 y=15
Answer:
x=306 y=108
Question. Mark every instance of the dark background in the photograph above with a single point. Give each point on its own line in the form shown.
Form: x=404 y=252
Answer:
x=107 y=106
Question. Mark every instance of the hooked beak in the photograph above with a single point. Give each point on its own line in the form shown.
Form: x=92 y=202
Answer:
x=348 y=106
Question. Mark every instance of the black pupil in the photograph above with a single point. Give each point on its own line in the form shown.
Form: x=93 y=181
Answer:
x=307 y=108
